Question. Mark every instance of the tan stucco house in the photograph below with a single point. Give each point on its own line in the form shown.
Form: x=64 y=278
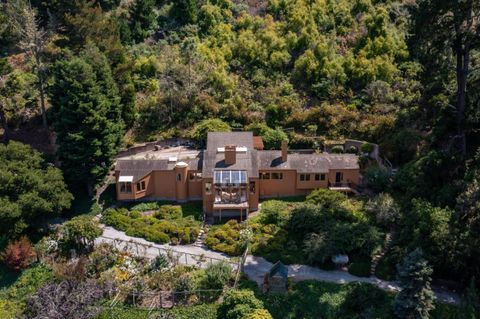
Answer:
x=233 y=173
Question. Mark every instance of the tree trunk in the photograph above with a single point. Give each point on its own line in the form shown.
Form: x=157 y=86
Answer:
x=4 y=123
x=41 y=89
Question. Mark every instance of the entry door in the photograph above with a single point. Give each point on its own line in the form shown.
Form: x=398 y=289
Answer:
x=338 y=177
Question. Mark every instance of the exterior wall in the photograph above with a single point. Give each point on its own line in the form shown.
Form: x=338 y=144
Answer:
x=312 y=183
x=164 y=182
x=207 y=198
x=253 y=197
x=194 y=187
x=181 y=183
x=349 y=175
x=279 y=187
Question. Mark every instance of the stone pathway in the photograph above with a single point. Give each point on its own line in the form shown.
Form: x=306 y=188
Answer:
x=255 y=267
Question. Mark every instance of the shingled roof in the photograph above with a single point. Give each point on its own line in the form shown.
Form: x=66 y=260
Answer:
x=307 y=163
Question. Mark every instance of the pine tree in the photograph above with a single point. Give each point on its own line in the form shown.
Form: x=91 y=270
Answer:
x=87 y=115
x=142 y=19
x=415 y=300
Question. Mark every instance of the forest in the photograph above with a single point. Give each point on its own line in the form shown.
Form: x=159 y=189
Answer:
x=81 y=80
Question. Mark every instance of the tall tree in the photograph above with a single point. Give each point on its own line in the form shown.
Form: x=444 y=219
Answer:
x=87 y=116
x=415 y=300
x=142 y=19
x=457 y=28
x=33 y=39
x=30 y=190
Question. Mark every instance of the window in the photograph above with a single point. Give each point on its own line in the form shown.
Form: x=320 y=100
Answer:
x=141 y=186
x=208 y=188
x=304 y=177
x=125 y=187
x=179 y=177
x=319 y=177
x=224 y=177
x=338 y=177
x=277 y=175
x=265 y=175
x=252 y=187
x=195 y=176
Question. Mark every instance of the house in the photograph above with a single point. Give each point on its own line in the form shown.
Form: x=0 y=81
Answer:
x=233 y=173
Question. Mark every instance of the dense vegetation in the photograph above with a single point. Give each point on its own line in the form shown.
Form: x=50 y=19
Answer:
x=97 y=75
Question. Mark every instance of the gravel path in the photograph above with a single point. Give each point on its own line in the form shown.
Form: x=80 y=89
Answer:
x=255 y=267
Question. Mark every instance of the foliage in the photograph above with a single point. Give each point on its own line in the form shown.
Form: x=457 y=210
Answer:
x=384 y=208
x=225 y=238
x=80 y=232
x=326 y=198
x=210 y=125
x=337 y=149
x=377 y=178
x=180 y=230
x=66 y=299
x=101 y=259
x=366 y=148
x=259 y=314
x=238 y=304
x=19 y=254
x=30 y=190
x=142 y=19
x=204 y=311
x=416 y=297
x=274 y=212
x=360 y=268
x=159 y=262
x=216 y=276
x=85 y=92
x=169 y=212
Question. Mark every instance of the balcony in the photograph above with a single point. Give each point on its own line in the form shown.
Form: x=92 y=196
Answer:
x=345 y=187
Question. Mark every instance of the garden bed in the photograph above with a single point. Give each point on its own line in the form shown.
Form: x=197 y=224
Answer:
x=174 y=224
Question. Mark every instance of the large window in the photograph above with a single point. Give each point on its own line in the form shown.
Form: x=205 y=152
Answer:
x=125 y=187
x=304 y=177
x=319 y=177
x=141 y=186
x=265 y=175
x=277 y=175
x=230 y=177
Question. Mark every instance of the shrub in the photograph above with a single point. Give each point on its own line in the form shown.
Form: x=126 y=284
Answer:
x=274 y=212
x=367 y=148
x=102 y=258
x=376 y=178
x=237 y=304
x=326 y=198
x=259 y=314
x=216 y=276
x=184 y=282
x=384 y=208
x=337 y=149
x=225 y=238
x=360 y=268
x=19 y=254
x=80 y=232
x=362 y=298
x=169 y=212
x=159 y=262
x=352 y=150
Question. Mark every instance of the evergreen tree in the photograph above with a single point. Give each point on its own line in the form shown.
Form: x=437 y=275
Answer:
x=185 y=11
x=87 y=116
x=415 y=300
x=470 y=302
x=142 y=19
x=30 y=190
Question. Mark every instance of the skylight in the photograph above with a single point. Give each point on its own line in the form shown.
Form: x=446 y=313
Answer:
x=228 y=177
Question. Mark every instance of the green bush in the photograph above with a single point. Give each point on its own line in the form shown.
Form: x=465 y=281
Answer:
x=216 y=276
x=367 y=148
x=326 y=198
x=169 y=212
x=352 y=150
x=274 y=212
x=209 y=125
x=225 y=238
x=360 y=268
x=376 y=178
x=259 y=314
x=337 y=149
x=237 y=304
x=183 y=230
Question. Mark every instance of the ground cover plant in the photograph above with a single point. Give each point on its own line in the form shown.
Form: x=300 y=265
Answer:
x=164 y=224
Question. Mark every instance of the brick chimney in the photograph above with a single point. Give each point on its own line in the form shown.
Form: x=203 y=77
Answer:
x=230 y=154
x=284 y=150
